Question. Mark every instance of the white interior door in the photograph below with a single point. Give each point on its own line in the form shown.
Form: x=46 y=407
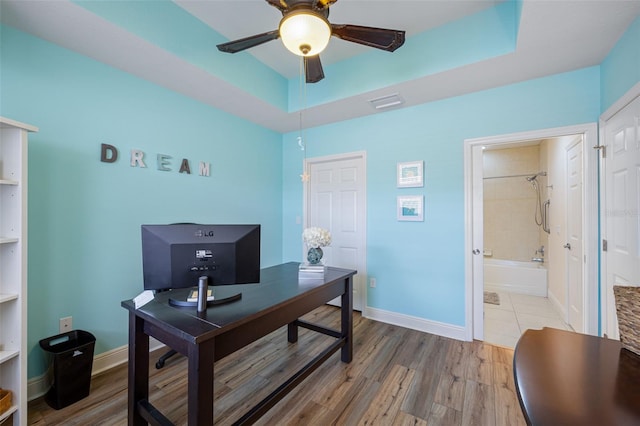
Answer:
x=621 y=218
x=575 y=291
x=336 y=200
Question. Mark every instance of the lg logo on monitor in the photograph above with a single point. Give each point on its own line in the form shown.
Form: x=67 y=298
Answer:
x=201 y=233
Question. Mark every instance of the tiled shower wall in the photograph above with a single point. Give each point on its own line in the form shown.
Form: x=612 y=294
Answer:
x=510 y=231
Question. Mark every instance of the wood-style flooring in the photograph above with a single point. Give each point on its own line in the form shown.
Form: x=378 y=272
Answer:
x=397 y=377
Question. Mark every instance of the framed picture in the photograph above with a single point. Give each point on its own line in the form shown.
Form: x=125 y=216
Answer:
x=411 y=208
x=411 y=174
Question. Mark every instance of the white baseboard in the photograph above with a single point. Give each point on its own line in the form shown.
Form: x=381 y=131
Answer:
x=415 y=323
x=558 y=307
x=38 y=386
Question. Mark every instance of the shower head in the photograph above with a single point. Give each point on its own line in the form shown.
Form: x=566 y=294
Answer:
x=534 y=177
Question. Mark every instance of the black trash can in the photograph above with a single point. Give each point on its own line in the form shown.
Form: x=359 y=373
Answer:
x=72 y=357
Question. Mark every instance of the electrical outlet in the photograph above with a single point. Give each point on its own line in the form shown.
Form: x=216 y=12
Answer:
x=66 y=324
x=372 y=282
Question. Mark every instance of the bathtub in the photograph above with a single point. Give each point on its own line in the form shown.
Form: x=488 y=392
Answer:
x=516 y=277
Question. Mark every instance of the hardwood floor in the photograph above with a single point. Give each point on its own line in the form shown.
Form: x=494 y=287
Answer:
x=397 y=377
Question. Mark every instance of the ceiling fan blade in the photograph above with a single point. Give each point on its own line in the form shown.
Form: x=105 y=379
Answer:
x=323 y=4
x=279 y=4
x=313 y=69
x=247 y=42
x=379 y=38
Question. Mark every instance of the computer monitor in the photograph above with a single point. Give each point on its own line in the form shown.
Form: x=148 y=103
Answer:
x=178 y=255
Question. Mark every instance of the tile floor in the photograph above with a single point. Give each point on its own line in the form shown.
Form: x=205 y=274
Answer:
x=505 y=323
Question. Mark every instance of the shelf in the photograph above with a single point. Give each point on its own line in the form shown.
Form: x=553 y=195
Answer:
x=13 y=261
x=7 y=123
x=7 y=355
x=7 y=297
x=7 y=413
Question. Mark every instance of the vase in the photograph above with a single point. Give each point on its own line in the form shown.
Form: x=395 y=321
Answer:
x=314 y=255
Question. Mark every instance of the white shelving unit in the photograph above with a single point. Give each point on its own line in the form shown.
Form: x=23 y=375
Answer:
x=13 y=266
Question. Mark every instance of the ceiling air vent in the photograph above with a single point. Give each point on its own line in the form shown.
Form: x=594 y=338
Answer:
x=385 y=102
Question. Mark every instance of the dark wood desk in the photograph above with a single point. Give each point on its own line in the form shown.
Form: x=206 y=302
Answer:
x=279 y=300
x=566 y=378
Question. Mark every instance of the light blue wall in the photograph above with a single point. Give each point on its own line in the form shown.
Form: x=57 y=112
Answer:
x=85 y=215
x=419 y=267
x=621 y=68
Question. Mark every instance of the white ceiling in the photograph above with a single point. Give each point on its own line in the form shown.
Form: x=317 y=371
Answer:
x=554 y=36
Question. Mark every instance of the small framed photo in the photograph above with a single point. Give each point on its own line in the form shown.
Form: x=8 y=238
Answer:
x=411 y=208
x=411 y=174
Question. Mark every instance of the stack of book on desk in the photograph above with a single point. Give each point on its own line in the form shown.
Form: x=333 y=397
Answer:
x=311 y=272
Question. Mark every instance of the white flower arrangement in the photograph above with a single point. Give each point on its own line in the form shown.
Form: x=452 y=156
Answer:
x=316 y=237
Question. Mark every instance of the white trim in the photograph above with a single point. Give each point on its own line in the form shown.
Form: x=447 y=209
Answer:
x=38 y=386
x=590 y=229
x=624 y=100
x=415 y=323
x=468 y=243
x=590 y=224
x=9 y=123
x=602 y=278
x=557 y=305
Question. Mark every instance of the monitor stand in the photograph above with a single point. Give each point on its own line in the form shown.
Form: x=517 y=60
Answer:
x=202 y=303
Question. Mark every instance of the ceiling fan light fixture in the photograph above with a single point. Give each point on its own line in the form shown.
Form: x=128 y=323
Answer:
x=305 y=33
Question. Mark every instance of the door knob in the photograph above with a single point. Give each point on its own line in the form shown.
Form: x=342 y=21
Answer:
x=476 y=251
x=567 y=246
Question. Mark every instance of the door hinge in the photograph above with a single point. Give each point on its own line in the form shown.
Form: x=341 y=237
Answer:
x=604 y=245
x=602 y=149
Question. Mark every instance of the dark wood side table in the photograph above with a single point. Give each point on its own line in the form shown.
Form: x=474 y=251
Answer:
x=567 y=378
x=278 y=300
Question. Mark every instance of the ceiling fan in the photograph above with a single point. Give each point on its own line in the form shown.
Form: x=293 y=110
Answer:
x=305 y=30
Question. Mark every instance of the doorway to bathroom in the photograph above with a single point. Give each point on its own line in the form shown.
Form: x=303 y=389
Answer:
x=529 y=203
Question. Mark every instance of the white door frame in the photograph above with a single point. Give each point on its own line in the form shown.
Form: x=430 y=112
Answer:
x=307 y=162
x=606 y=316
x=473 y=295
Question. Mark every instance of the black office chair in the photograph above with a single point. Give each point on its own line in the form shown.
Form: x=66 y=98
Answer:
x=164 y=358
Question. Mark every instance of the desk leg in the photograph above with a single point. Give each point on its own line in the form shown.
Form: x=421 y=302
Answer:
x=292 y=332
x=200 y=376
x=138 y=368
x=347 y=320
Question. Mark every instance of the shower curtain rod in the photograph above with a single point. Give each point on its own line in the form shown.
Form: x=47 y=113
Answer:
x=509 y=176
